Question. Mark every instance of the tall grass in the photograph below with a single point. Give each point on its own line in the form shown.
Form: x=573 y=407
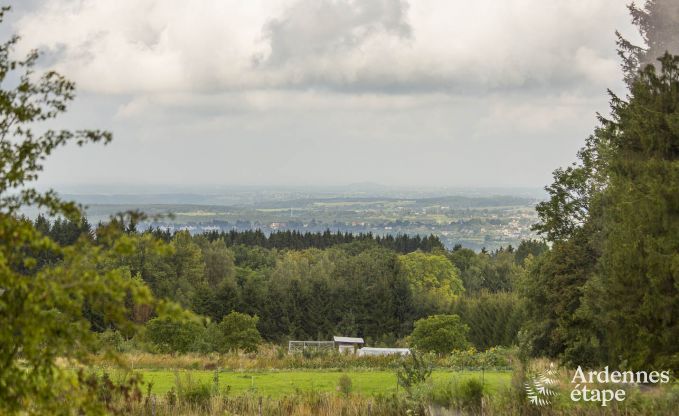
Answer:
x=323 y=404
x=461 y=397
x=303 y=403
x=273 y=357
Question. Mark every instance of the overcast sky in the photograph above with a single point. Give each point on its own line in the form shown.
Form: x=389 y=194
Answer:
x=314 y=92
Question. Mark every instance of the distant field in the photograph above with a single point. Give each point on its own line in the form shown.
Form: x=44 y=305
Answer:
x=473 y=220
x=280 y=383
x=198 y=214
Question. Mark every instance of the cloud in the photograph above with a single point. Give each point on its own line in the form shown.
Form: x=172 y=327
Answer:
x=507 y=116
x=387 y=46
x=437 y=92
x=316 y=28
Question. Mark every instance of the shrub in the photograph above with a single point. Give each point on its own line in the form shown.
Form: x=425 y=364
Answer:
x=440 y=334
x=239 y=332
x=193 y=392
x=469 y=394
x=174 y=335
x=112 y=340
x=171 y=397
x=463 y=395
x=198 y=394
x=443 y=394
x=114 y=394
x=496 y=357
x=344 y=385
x=415 y=369
x=210 y=340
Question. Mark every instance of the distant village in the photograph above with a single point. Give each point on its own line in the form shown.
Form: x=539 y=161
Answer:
x=491 y=232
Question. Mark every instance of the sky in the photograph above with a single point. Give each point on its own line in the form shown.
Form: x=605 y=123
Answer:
x=449 y=93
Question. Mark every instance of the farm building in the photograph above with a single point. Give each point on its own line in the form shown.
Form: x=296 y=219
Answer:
x=348 y=344
x=370 y=351
x=310 y=346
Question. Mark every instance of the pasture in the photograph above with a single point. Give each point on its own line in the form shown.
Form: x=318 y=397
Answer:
x=281 y=383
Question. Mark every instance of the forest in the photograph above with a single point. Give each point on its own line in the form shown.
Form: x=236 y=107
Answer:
x=372 y=287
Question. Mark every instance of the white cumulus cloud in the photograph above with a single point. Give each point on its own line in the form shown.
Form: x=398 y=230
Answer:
x=495 y=92
x=131 y=46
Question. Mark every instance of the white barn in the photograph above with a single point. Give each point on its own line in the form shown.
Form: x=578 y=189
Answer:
x=370 y=351
x=347 y=344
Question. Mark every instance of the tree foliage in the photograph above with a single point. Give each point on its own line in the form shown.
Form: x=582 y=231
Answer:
x=440 y=334
x=494 y=319
x=239 y=332
x=493 y=272
x=434 y=281
x=296 y=240
x=639 y=263
x=657 y=21
x=171 y=334
x=553 y=291
x=415 y=369
x=352 y=289
x=613 y=219
x=46 y=286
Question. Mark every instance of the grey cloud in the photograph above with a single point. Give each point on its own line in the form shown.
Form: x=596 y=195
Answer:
x=487 y=92
x=326 y=45
x=319 y=27
x=347 y=46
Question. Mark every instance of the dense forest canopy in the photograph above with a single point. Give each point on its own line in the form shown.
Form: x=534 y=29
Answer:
x=608 y=293
x=354 y=285
x=292 y=239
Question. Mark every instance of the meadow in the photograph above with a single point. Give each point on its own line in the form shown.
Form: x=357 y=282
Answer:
x=284 y=383
x=370 y=392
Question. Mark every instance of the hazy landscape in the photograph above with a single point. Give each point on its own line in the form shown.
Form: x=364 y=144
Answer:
x=474 y=218
x=339 y=208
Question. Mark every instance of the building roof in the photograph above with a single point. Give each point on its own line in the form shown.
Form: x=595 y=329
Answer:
x=385 y=349
x=348 y=340
x=367 y=351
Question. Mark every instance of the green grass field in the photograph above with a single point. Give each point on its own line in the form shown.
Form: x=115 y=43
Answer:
x=280 y=383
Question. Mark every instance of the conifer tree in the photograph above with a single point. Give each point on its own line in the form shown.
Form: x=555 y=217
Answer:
x=657 y=21
x=613 y=221
x=638 y=270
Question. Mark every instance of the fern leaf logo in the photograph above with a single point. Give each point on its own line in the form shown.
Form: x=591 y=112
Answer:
x=540 y=390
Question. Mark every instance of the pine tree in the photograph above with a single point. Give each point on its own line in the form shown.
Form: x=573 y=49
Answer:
x=657 y=21
x=640 y=216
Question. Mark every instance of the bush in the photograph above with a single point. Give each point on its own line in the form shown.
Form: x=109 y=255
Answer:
x=463 y=395
x=192 y=392
x=496 y=357
x=112 y=340
x=440 y=334
x=239 y=332
x=171 y=397
x=174 y=335
x=198 y=394
x=469 y=394
x=209 y=341
x=415 y=369
x=442 y=394
x=115 y=394
x=344 y=385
